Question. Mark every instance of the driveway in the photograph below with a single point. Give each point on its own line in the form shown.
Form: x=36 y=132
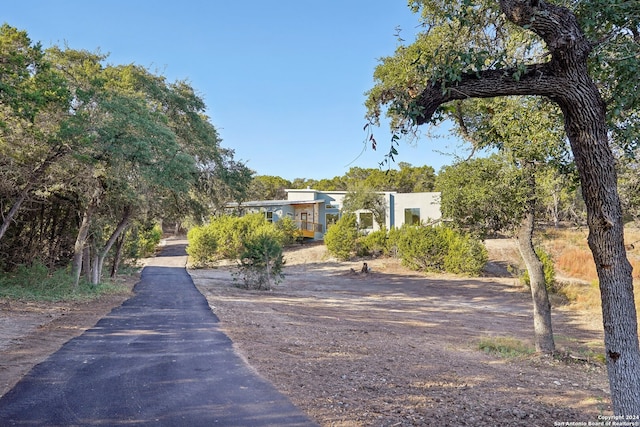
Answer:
x=159 y=359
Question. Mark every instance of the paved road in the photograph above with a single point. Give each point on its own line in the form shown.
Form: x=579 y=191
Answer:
x=159 y=359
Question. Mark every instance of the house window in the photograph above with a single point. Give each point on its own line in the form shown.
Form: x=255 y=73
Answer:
x=412 y=216
x=331 y=218
x=269 y=216
x=366 y=220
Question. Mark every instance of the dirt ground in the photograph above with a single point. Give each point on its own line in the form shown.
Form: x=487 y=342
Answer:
x=387 y=348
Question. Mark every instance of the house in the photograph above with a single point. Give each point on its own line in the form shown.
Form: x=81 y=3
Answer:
x=314 y=211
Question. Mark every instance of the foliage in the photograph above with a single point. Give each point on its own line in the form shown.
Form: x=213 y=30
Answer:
x=374 y=243
x=113 y=145
x=465 y=255
x=405 y=179
x=360 y=197
x=37 y=283
x=341 y=238
x=481 y=195
x=289 y=229
x=548 y=267
x=143 y=240
x=225 y=237
x=261 y=262
x=439 y=249
x=266 y=187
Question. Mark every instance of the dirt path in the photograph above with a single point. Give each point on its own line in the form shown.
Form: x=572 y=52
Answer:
x=394 y=348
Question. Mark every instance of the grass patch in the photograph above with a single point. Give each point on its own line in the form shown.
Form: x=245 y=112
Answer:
x=36 y=283
x=506 y=347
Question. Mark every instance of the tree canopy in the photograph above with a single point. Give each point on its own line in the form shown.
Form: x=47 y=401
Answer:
x=90 y=148
x=583 y=57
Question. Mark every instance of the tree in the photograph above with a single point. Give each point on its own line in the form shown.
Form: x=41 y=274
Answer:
x=266 y=187
x=31 y=98
x=362 y=198
x=444 y=71
x=482 y=196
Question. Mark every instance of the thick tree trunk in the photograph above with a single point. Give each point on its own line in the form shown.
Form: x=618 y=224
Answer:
x=565 y=79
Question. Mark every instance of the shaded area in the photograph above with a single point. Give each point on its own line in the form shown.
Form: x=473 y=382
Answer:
x=159 y=359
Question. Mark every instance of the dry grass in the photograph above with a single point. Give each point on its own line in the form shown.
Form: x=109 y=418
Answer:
x=573 y=259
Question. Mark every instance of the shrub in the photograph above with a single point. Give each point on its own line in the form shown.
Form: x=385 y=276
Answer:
x=203 y=245
x=289 y=229
x=392 y=241
x=374 y=243
x=342 y=237
x=142 y=240
x=440 y=249
x=225 y=237
x=261 y=262
x=422 y=248
x=465 y=255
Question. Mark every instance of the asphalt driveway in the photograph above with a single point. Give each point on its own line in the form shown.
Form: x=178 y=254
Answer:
x=159 y=359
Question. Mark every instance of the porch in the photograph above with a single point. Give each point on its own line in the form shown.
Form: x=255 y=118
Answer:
x=309 y=229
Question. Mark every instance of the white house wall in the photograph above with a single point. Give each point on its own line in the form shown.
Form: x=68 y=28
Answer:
x=428 y=203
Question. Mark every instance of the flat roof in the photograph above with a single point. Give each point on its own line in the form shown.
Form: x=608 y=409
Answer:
x=260 y=203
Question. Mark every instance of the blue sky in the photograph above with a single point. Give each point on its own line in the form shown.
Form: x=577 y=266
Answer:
x=284 y=81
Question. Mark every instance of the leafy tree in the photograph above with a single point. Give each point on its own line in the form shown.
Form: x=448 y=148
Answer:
x=483 y=195
x=466 y=52
x=265 y=187
x=31 y=100
x=362 y=198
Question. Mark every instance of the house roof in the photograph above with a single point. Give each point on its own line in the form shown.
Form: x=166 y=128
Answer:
x=267 y=203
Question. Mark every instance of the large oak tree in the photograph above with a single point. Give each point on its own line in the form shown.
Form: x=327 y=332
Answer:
x=462 y=54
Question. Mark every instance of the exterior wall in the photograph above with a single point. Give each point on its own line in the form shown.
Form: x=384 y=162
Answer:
x=428 y=203
x=332 y=202
x=279 y=211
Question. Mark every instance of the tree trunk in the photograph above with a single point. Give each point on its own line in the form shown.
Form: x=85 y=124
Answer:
x=541 y=307
x=117 y=257
x=565 y=79
x=588 y=136
x=35 y=176
x=83 y=233
x=120 y=228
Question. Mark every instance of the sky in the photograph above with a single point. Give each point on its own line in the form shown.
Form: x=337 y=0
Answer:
x=284 y=81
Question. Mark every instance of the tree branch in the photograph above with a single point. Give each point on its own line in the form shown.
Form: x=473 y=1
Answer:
x=537 y=79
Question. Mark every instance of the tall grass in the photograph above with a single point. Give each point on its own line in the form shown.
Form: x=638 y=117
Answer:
x=573 y=259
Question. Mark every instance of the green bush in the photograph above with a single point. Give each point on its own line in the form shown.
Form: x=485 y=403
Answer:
x=374 y=243
x=465 y=255
x=142 y=240
x=261 y=262
x=547 y=267
x=225 y=237
x=393 y=237
x=341 y=238
x=422 y=248
x=440 y=249
x=289 y=229
x=203 y=245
